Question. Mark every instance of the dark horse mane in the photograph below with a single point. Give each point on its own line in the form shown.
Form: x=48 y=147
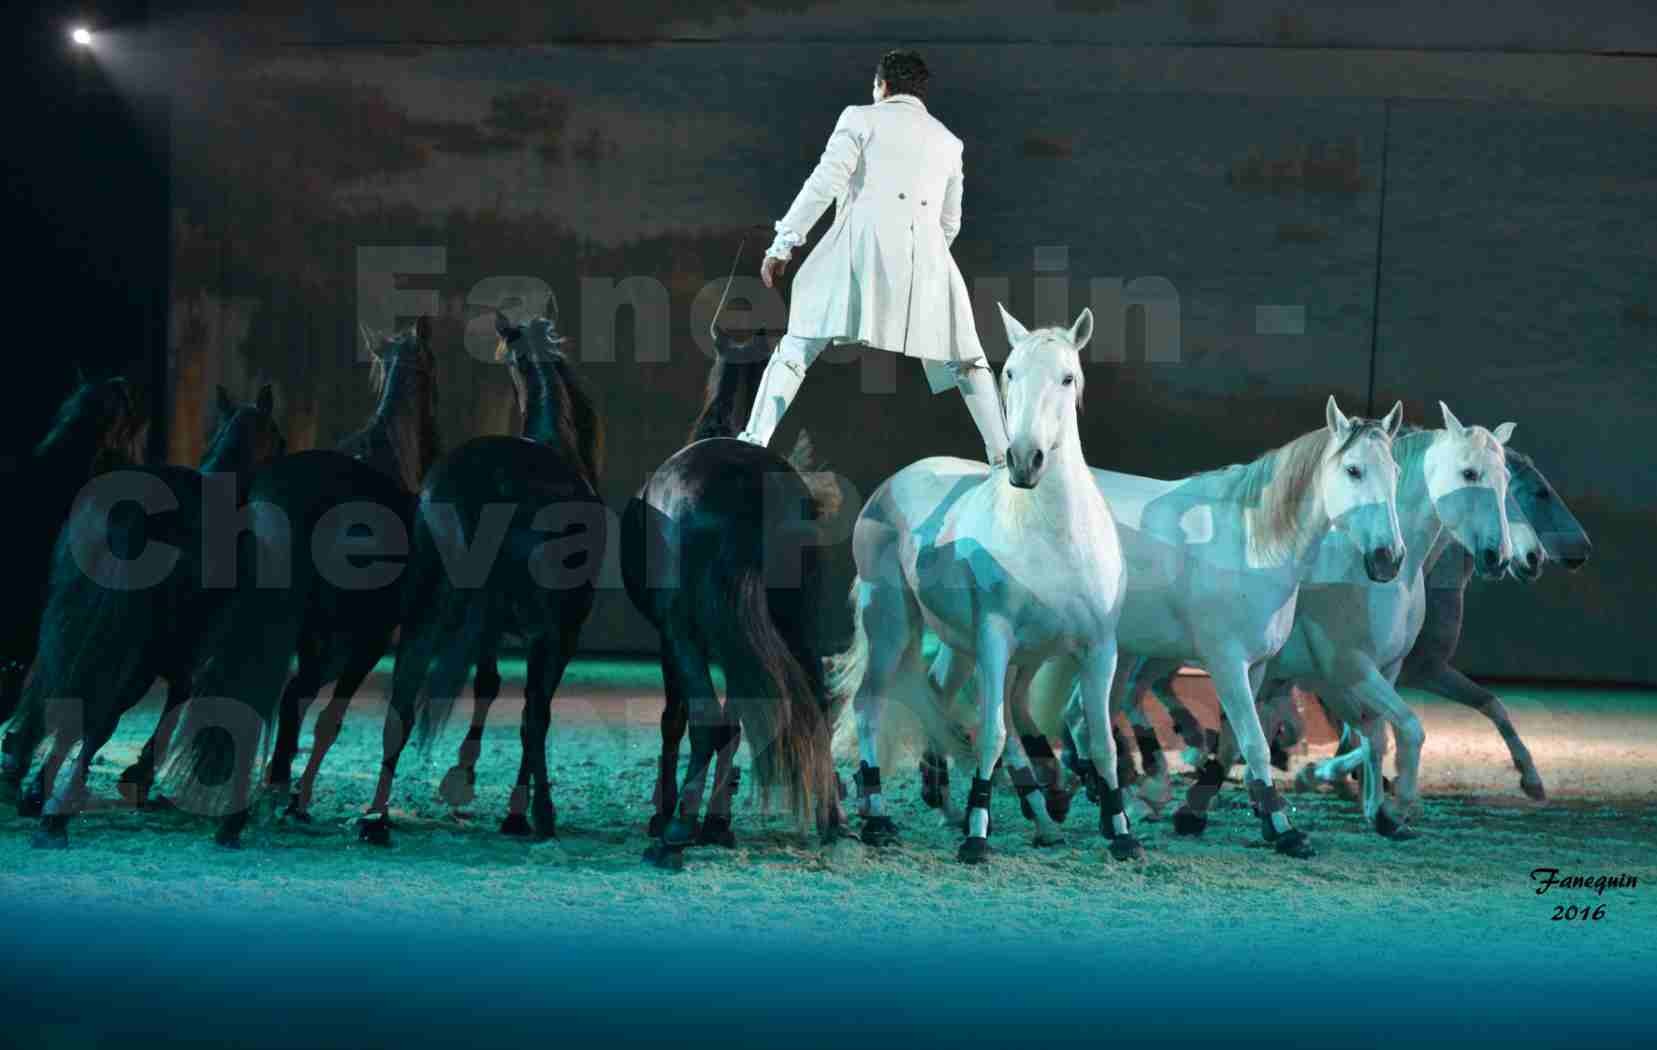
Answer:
x=90 y=428
x=569 y=418
x=732 y=382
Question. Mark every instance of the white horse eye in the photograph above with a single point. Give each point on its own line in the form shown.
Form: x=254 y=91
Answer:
x=1469 y=475
x=1355 y=473
x=1069 y=380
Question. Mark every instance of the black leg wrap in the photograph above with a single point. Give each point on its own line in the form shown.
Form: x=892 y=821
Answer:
x=1279 y=757
x=977 y=798
x=1036 y=747
x=1211 y=738
x=1026 y=786
x=1390 y=828
x=1266 y=801
x=1123 y=846
x=868 y=780
x=1150 y=748
x=934 y=779
x=1210 y=775
x=1126 y=772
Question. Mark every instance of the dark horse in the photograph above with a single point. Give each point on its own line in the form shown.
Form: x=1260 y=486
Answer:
x=720 y=551
x=399 y=440
x=135 y=578
x=97 y=428
x=346 y=630
x=475 y=576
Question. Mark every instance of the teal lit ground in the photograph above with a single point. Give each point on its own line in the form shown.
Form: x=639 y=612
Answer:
x=1458 y=901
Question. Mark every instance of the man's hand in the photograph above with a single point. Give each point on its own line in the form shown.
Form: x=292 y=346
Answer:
x=771 y=269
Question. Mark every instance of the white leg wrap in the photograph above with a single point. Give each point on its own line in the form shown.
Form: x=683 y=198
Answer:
x=783 y=375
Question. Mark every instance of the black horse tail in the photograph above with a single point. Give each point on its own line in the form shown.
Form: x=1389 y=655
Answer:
x=445 y=646
x=100 y=621
x=776 y=685
x=242 y=664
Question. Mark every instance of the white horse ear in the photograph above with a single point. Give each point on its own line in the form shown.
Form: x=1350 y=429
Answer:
x=1451 y=423
x=1082 y=331
x=1016 y=333
x=1338 y=423
x=1394 y=420
x=1503 y=431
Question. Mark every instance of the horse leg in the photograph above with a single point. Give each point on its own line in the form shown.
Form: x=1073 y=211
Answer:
x=1186 y=724
x=716 y=829
x=459 y=785
x=22 y=741
x=688 y=679
x=1155 y=788
x=1098 y=679
x=1037 y=752
x=1451 y=684
x=890 y=624
x=1237 y=681
x=33 y=801
x=1020 y=770
x=70 y=794
x=675 y=718
x=994 y=650
x=948 y=673
x=1374 y=690
x=538 y=693
x=137 y=779
x=296 y=697
x=328 y=725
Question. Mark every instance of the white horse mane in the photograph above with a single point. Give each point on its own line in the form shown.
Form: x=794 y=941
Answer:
x=1273 y=488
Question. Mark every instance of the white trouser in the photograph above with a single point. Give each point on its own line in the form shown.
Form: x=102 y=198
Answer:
x=786 y=371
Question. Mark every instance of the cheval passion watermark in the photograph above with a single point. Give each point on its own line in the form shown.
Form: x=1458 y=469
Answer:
x=1550 y=878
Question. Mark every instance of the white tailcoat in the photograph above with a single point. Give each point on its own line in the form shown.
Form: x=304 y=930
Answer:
x=883 y=274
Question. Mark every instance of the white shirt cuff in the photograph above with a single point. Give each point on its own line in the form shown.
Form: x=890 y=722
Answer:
x=783 y=247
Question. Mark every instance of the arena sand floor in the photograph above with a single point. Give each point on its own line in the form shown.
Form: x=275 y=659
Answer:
x=144 y=930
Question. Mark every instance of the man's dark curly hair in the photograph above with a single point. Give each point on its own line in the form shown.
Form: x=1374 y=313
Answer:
x=904 y=73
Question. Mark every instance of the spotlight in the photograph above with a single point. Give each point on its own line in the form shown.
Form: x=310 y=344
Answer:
x=82 y=36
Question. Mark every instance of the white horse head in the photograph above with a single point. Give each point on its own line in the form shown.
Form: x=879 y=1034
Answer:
x=1358 y=479
x=1466 y=474
x=1041 y=386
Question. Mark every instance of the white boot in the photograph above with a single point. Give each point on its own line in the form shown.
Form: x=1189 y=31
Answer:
x=777 y=386
x=983 y=400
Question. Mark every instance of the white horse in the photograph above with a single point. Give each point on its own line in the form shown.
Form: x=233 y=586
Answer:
x=1215 y=564
x=1013 y=573
x=1351 y=633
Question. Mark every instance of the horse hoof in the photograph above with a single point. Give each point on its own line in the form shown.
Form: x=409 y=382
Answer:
x=716 y=831
x=1279 y=757
x=517 y=825
x=227 y=839
x=376 y=831
x=1533 y=789
x=1126 y=847
x=53 y=833
x=879 y=831
x=658 y=824
x=1307 y=778
x=1398 y=831
x=665 y=857
x=457 y=788
x=31 y=806
x=975 y=850
x=934 y=796
x=1188 y=821
x=1294 y=843
x=546 y=823
x=10 y=790
x=295 y=812
x=1058 y=804
x=1045 y=842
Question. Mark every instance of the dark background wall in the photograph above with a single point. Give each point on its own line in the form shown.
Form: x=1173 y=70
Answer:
x=1263 y=205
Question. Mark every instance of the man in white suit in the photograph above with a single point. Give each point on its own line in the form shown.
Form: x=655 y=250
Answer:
x=882 y=275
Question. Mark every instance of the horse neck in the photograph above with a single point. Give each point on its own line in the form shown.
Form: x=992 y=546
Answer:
x=542 y=412
x=231 y=450
x=729 y=401
x=1424 y=534
x=404 y=411
x=1067 y=497
x=76 y=447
